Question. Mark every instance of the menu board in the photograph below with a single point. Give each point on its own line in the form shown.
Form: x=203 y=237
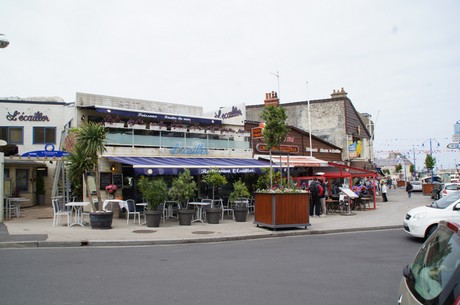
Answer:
x=105 y=179
x=118 y=180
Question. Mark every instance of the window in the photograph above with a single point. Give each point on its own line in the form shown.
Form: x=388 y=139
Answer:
x=12 y=135
x=22 y=180
x=44 y=135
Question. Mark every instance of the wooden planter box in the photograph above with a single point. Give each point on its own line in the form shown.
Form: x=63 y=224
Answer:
x=282 y=210
x=427 y=188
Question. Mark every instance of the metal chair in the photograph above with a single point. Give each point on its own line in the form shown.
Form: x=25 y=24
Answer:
x=226 y=208
x=206 y=206
x=58 y=212
x=131 y=210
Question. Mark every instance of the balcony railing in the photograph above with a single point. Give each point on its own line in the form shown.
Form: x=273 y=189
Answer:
x=170 y=138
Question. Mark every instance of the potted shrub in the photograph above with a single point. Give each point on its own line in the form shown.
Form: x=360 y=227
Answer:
x=155 y=193
x=183 y=188
x=136 y=123
x=240 y=192
x=113 y=121
x=215 y=179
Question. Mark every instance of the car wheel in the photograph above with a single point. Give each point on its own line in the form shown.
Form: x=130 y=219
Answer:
x=431 y=230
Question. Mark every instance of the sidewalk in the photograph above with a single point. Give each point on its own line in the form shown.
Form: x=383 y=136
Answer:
x=35 y=227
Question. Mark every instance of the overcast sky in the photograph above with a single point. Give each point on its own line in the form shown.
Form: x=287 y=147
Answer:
x=398 y=60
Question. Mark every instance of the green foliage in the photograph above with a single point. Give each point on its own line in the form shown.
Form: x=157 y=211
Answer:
x=275 y=130
x=412 y=168
x=214 y=178
x=240 y=190
x=386 y=171
x=155 y=191
x=430 y=162
x=263 y=182
x=84 y=158
x=183 y=187
x=398 y=168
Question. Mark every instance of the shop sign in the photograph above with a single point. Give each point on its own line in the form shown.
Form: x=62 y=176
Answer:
x=204 y=171
x=21 y=116
x=323 y=150
x=234 y=115
x=47 y=152
x=181 y=150
x=292 y=149
x=453 y=145
x=256 y=133
x=354 y=149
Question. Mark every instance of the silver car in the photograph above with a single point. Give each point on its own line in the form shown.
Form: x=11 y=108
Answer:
x=434 y=275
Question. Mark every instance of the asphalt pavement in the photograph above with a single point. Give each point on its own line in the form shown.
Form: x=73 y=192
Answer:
x=34 y=227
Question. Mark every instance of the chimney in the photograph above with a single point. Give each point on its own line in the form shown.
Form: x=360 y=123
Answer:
x=339 y=93
x=271 y=99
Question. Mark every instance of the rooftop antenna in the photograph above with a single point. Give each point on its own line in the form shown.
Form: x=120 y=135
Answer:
x=309 y=120
x=278 y=77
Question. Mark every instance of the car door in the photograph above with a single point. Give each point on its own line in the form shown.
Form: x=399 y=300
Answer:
x=454 y=212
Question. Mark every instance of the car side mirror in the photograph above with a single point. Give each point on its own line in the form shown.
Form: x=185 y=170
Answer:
x=457 y=207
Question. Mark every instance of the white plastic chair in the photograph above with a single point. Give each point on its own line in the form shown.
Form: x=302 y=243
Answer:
x=226 y=208
x=206 y=206
x=57 y=213
x=132 y=211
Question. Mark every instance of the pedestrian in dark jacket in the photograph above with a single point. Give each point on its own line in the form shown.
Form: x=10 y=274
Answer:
x=409 y=188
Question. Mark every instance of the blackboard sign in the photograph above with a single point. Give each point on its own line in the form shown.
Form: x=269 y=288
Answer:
x=105 y=179
x=118 y=180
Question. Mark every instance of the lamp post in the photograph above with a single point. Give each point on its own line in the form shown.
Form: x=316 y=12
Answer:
x=431 y=154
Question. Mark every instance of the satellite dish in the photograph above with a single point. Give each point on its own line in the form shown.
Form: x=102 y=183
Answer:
x=3 y=143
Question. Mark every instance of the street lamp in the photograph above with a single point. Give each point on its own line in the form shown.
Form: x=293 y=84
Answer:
x=431 y=154
x=3 y=41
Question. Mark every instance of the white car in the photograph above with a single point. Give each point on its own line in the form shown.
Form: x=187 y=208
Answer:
x=416 y=186
x=422 y=221
x=449 y=188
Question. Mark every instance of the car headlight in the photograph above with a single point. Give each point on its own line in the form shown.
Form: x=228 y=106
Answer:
x=418 y=216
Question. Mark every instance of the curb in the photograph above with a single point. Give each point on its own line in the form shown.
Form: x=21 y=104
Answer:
x=133 y=243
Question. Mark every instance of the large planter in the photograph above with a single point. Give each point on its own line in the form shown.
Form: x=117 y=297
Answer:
x=185 y=216
x=101 y=220
x=427 y=188
x=282 y=210
x=213 y=215
x=240 y=214
x=153 y=218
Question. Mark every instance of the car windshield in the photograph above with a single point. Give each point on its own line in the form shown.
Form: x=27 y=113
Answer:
x=444 y=202
x=435 y=263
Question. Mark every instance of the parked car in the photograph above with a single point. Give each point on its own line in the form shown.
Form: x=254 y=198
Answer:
x=435 y=192
x=449 y=188
x=434 y=275
x=422 y=221
x=416 y=186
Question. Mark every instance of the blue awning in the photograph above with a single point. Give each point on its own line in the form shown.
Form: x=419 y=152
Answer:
x=197 y=166
x=184 y=119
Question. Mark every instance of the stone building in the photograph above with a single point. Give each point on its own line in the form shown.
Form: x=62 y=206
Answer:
x=334 y=120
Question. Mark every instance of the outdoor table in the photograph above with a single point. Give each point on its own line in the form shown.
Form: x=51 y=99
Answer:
x=17 y=201
x=144 y=205
x=199 y=210
x=169 y=208
x=116 y=212
x=77 y=209
x=332 y=205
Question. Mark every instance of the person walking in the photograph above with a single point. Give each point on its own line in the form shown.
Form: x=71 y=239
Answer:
x=322 y=199
x=384 y=191
x=409 y=188
x=315 y=193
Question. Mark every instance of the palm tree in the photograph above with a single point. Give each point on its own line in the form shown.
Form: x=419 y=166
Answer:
x=91 y=140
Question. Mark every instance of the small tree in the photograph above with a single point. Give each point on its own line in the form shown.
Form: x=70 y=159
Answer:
x=275 y=130
x=183 y=187
x=239 y=191
x=430 y=163
x=214 y=178
x=398 y=168
x=263 y=182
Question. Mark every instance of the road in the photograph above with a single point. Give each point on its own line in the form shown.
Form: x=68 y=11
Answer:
x=350 y=268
